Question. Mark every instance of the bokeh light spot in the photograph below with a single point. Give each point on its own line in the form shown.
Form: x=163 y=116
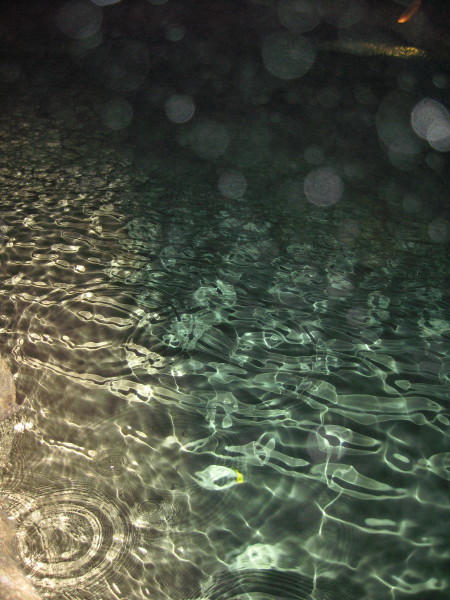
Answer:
x=439 y=231
x=80 y=47
x=79 y=19
x=175 y=33
x=179 y=109
x=323 y=186
x=441 y=81
x=404 y=153
x=299 y=16
x=412 y=203
x=232 y=185
x=288 y=56
x=431 y=121
x=117 y=114
x=209 y=139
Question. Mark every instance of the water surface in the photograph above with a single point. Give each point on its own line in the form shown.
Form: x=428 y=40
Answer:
x=227 y=391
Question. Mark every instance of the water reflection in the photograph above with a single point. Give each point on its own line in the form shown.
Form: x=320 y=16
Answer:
x=234 y=385
x=262 y=438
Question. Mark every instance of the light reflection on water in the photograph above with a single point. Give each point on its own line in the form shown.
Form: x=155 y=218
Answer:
x=213 y=410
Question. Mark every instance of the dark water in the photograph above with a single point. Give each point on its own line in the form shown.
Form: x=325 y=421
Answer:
x=234 y=384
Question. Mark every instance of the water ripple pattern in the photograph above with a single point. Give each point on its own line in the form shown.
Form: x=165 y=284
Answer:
x=219 y=399
x=308 y=388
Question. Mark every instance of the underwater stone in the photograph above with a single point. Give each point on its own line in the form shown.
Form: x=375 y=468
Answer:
x=7 y=389
x=8 y=407
x=14 y=585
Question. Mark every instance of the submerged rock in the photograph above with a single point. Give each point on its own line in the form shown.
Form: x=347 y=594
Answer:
x=14 y=585
x=7 y=390
x=8 y=407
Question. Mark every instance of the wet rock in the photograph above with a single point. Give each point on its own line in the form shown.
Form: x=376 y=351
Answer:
x=14 y=585
x=8 y=407
x=7 y=389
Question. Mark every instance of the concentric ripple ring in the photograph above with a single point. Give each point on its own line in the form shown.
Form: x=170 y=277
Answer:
x=71 y=537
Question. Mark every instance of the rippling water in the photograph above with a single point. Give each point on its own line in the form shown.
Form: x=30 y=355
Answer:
x=219 y=399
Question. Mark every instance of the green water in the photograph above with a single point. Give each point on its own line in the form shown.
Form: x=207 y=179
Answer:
x=233 y=384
